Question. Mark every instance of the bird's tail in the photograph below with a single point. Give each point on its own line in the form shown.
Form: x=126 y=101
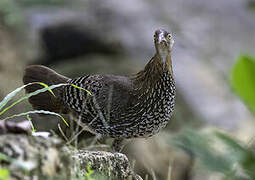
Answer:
x=45 y=100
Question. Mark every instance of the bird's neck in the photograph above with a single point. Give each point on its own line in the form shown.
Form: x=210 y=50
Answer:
x=168 y=64
x=153 y=71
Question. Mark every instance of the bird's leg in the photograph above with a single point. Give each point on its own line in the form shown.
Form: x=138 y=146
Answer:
x=95 y=140
x=117 y=145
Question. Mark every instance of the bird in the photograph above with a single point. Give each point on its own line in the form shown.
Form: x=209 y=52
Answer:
x=120 y=107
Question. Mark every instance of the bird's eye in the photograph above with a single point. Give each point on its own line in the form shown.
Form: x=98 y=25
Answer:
x=169 y=36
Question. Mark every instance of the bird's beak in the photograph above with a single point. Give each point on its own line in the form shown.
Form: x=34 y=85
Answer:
x=162 y=39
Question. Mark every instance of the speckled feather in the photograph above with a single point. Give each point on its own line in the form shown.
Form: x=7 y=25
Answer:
x=122 y=107
x=130 y=108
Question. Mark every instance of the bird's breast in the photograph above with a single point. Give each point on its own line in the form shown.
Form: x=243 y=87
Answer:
x=150 y=112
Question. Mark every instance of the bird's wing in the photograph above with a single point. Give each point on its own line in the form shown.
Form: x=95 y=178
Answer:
x=111 y=93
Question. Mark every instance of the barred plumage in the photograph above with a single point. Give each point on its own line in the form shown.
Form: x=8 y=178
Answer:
x=119 y=107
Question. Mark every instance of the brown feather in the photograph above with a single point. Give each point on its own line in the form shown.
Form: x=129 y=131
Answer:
x=45 y=100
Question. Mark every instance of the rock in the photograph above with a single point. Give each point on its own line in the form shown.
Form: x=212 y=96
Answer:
x=29 y=157
x=14 y=127
x=111 y=164
x=35 y=157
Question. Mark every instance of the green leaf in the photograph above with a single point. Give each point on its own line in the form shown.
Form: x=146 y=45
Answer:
x=5 y=158
x=37 y=112
x=243 y=80
x=89 y=172
x=4 y=174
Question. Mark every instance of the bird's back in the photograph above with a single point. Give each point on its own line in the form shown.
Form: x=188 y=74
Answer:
x=117 y=107
x=100 y=100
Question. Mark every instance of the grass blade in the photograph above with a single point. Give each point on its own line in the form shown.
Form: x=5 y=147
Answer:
x=9 y=96
x=31 y=123
x=37 y=112
x=81 y=89
x=13 y=93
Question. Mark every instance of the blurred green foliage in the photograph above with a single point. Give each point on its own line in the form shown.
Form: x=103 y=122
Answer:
x=4 y=174
x=243 y=80
x=251 y=5
x=41 y=2
x=12 y=11
x=219 y=152
x=199 y=145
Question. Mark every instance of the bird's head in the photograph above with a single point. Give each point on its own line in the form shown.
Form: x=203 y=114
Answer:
x=160 y=63
x=163 y=43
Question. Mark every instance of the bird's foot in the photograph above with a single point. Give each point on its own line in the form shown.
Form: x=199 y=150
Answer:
x=117 y=145
x=95 y=140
